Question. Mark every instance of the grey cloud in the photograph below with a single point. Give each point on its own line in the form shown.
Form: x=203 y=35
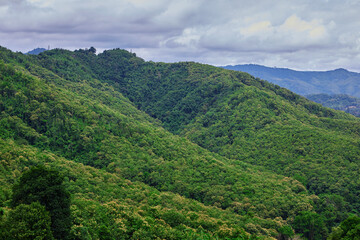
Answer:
x=302 y=34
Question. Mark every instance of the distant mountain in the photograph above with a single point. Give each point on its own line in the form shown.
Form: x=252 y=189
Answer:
x=341 y=102
x=36 y=51
x=339 y=81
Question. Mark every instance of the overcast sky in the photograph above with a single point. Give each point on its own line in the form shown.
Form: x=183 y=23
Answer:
x=298 y=34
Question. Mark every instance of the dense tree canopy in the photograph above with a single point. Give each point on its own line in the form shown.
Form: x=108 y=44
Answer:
x=28 y=222
x=349 y=229
x=46 y=187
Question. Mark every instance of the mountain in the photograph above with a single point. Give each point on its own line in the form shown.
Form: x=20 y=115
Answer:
x=46 y=118
x=36 y=51
x=339 y=81
x=341 y=102
x=145 y=182
x=176 y=151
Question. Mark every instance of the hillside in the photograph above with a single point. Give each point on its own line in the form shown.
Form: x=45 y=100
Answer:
x=339 y=81
x=341 y=102
x=106 y=204
x=88 y=122
x=244 y=147
x=240 y=117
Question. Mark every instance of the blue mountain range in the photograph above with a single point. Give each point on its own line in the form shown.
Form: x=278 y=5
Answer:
x=338 y=81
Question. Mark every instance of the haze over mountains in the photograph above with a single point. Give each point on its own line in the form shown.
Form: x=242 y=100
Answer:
x=338 y=81
x=176 y=151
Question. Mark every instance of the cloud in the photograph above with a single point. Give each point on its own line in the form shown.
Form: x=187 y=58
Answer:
x=294 y=33
x=313 y=31
x=301 y=33
x=257 y=29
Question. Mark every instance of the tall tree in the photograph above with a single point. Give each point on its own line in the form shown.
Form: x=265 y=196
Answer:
x=28 y=222
x=45 y=186
x=349 y=229
x=311 y=225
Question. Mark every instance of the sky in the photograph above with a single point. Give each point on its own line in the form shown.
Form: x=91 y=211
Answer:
x=297 y=34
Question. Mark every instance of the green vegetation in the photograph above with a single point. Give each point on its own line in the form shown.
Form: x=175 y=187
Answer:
x=311 y=225
x=341 y=102
x=46 y=187
x=27 y=222
x=89 y=132
x=348 y=229
x=106 y=205
x=248 y=156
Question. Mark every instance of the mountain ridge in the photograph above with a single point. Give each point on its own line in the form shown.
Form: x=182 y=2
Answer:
x=337 y=81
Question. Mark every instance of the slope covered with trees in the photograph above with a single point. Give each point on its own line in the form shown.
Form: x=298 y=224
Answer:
x=246 y=147
x=88 y=122
x=107 y=206
x=341 y=102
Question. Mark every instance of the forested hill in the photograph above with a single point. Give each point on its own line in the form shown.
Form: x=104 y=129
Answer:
x=220 y=153
x=341 y=102
x=338 y=81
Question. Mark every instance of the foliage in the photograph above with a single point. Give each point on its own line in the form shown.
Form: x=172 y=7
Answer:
x=85 y=130
x=107 y=203
x=311 y=225
x=286 y=232
x=27 y=222
x=46 y=187
x=349 y=229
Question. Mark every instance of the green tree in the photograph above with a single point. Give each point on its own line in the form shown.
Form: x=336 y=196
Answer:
x=349 y=229
x=2 y=224
x=92 y=50
x=311 y=225
x=285 y=232
x=28 y=222
x=45 y=186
